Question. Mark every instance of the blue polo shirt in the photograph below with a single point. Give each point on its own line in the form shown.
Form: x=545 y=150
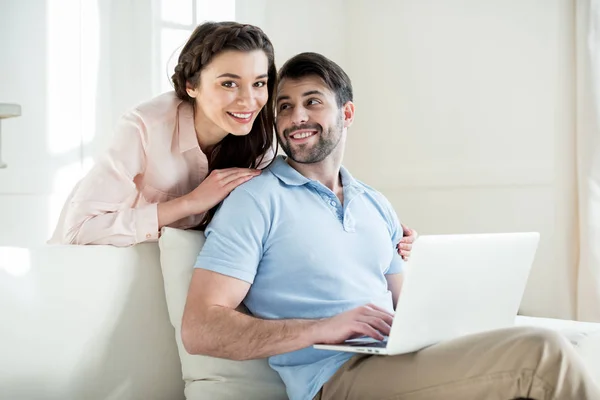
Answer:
x=306 y=255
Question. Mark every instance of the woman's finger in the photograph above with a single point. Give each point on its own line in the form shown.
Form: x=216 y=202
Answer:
x=407 y=239
x=227 y=179
x=237 y=182
x=405 y=246
x=233 y=170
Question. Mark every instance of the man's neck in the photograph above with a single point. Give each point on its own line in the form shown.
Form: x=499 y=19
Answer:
x=327 y=172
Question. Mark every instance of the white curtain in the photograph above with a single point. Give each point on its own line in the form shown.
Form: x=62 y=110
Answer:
x=588 y=157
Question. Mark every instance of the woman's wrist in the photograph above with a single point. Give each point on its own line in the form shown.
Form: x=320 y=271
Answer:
x=174 y=210
x=190 y=206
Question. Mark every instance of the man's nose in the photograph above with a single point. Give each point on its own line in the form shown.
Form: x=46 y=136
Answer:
x=299 y=116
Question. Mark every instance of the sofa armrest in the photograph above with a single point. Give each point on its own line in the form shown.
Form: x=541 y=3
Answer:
x=88 y=322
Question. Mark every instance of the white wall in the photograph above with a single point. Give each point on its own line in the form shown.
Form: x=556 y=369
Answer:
x=464 y=109
x=465 y=115
x=70 y=67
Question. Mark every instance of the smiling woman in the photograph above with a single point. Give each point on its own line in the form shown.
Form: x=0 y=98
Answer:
x=177 y=156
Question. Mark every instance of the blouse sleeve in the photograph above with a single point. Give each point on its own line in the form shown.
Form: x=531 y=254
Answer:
x=99 y=211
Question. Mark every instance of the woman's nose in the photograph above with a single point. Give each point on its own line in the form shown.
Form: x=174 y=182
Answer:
x=245 y=96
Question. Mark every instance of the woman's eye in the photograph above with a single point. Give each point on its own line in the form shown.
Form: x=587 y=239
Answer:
x=260 y=84
x=229 y=84
x=283 y=107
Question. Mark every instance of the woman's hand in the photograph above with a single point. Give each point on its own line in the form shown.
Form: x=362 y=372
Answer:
x=217 y=185
x=405 y=245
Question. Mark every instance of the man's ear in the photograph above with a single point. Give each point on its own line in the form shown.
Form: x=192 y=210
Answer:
x=348 y=110
x=191 y=91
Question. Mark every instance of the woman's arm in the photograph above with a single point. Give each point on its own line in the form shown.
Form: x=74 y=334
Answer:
x=97 y=211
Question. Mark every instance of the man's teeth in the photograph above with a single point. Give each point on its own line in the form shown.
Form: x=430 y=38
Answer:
x=242 y=116
x=302 y=135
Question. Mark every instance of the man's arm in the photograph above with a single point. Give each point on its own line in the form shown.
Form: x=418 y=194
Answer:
x=394 y=282
x=221 y=279
x=211 y=325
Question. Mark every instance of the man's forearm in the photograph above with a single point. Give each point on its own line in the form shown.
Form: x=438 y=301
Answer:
x=226 y=333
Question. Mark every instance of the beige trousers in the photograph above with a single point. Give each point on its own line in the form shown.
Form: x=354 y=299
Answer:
x=528 y=363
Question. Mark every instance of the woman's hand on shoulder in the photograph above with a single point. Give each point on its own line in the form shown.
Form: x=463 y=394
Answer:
x=217 y=185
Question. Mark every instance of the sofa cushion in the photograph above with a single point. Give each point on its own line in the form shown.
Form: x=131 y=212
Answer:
x=208 y=377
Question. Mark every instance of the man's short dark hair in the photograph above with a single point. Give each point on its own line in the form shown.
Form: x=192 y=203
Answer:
x=314 y=64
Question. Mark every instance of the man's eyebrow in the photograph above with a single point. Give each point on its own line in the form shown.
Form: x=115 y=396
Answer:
x=311 y=92
x=305 y=94
x=234 y=76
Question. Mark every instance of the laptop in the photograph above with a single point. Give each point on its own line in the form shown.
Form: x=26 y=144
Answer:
x=455 y=285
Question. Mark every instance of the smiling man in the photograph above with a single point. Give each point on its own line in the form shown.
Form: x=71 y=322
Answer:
x=311 y=253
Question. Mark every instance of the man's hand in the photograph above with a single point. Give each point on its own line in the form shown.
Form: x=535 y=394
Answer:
x=405 y=245
x=368 y=320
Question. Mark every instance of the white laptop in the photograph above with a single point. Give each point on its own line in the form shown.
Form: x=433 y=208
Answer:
x=455 y=285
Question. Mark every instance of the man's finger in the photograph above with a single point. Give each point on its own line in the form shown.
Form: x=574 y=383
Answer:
x=381 y=314
x=377 y=308
x=379 y=324
x=369 y=331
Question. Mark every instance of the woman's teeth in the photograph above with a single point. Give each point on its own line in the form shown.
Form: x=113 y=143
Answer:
x=241 y=116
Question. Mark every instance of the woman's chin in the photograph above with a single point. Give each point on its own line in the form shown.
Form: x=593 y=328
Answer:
x=240 y=130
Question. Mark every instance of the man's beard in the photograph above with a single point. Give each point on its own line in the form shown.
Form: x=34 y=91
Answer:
x=310 y=154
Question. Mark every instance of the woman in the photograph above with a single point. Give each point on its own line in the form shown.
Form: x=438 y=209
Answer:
x=177 y=156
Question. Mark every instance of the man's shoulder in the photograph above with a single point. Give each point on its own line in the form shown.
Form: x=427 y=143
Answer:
x=374 y=194
x=258 y=187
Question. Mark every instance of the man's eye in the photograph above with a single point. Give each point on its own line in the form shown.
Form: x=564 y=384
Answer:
x=229 y=84
x=312 y=102
x=260 y=84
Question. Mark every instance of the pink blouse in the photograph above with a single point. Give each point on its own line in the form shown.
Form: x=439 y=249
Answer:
x=155 y=157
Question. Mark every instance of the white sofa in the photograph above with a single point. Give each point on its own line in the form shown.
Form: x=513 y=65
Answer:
x=91 y=323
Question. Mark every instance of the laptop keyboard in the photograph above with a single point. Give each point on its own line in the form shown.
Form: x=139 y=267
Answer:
x=381 y=345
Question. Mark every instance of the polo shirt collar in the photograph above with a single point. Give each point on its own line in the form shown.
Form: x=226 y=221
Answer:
x=288 y=175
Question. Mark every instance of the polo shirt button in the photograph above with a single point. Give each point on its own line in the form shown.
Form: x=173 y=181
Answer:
x=332 y=202
x=148 y=235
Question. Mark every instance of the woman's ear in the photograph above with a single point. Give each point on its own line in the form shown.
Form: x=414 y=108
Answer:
x=191 y=91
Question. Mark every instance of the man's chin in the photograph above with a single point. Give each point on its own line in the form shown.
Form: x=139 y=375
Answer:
x=303 y=159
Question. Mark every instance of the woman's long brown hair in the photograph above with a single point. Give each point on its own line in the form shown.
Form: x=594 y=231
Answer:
x=208 y=40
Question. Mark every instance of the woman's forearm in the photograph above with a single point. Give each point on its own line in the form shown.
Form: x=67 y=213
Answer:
x=176 y=209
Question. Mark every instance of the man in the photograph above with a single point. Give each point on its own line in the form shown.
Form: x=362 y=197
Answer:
x=311 y=253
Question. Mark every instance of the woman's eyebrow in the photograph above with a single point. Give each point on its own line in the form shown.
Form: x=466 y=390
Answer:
x=234 y=76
